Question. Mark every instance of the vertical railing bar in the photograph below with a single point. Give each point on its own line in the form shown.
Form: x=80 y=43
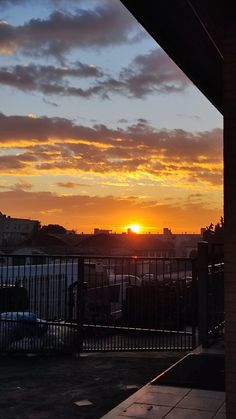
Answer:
x=80 y=304
x=203 y=292
x=53 y=293
x=47 y=289
x=65 y=302
x=194 y=303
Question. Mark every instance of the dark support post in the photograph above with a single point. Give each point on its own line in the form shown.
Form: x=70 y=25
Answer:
x=229 y=33
x=194 y=300
x=80 y=305
x=203 y=292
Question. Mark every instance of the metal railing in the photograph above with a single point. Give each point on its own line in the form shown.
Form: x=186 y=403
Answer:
x=215 y=299
x=72 y=303
x=35 y=304
x=139 y=304
x=210 y=267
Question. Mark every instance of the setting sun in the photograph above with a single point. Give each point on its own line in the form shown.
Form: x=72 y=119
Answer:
x=135 y=228
x=110 y=164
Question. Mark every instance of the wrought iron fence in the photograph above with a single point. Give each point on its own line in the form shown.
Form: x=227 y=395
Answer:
x=35 y=303
x=55 y=303
x=139 y=303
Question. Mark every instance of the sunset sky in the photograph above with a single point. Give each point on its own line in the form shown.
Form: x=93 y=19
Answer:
x=98 y=127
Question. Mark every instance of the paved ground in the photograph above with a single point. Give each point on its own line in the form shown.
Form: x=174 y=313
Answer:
x=44 y=387
x=162 y=402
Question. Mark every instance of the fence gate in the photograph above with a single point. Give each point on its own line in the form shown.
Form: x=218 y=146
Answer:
x=74 y=304
x=141 y=304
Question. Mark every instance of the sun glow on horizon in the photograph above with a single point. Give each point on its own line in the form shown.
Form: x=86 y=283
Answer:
x=135 y=228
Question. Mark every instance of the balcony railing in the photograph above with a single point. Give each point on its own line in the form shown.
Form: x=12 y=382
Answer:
x=74 y=304
x=210 y=266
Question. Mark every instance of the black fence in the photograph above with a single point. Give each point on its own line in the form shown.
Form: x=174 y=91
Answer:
x=210 y=267
x=35 y=304
x=143 y=304
x=215 y=308
x=76 y=304
x=216 y=317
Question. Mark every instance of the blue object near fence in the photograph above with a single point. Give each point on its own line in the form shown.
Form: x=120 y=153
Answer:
x=24 y=324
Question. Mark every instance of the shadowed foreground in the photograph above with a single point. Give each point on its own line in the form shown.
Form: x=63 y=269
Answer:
x=48 y=387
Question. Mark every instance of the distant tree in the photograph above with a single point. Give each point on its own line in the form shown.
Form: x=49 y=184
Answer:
x=209 y=232
x=215 y=233
x=219 y=229
x=53 y=229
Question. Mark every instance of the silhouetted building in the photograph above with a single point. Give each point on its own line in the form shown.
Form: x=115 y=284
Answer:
x=101 y=231
x=14 y=231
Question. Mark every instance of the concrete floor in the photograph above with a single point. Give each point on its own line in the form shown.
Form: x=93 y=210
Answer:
x=158 y=402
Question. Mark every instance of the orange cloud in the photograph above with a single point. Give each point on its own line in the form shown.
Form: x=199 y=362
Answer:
x=85 y=212
x=59 y=146
x=108 y=25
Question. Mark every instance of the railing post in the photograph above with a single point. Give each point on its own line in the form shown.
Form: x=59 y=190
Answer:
x=80 y=304
x=194 y=300
x=203 y=292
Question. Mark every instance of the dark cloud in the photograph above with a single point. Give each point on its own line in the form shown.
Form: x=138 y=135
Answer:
x=10 y=163
x=212 y=177
x=122 y=121
x=153 y=72
x=51 y=80
x=148 y=74
x=8 y=37
x=194 y=117
x=196 y=195
x=59 y=144
x=56 y=3
x=22 y=185
x=74 y=203
x=142 y=121
x=49 y=102
x=6 y=3
x=70 y=185
x=107 y=25
x=47 y=79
